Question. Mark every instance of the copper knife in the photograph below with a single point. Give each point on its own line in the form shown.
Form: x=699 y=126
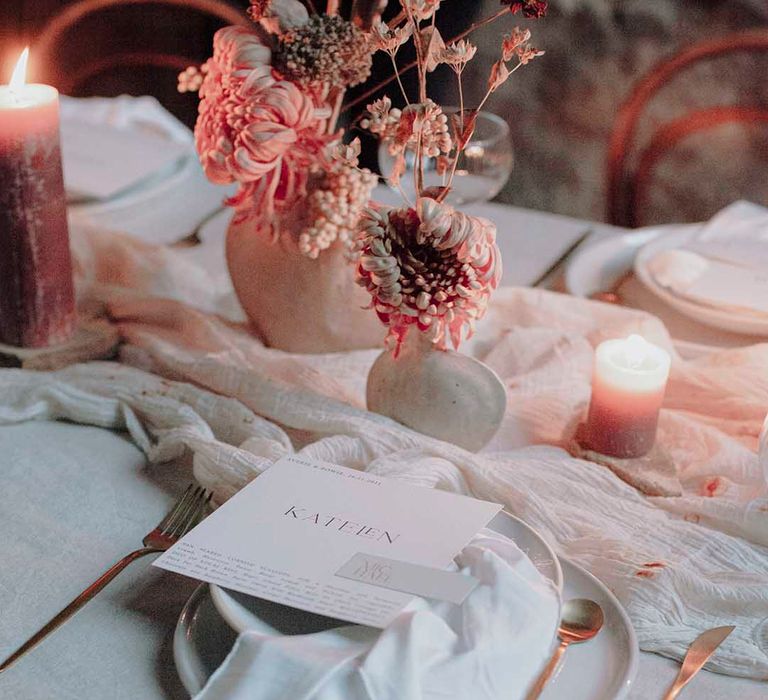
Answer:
x=698 y=654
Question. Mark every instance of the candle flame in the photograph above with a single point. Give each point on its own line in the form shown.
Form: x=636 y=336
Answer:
x=19 y=77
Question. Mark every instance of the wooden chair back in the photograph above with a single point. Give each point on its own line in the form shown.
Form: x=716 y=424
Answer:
x=69 y=58
x=630 y=167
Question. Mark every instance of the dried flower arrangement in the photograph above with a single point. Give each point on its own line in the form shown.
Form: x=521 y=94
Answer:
x=427 y=266
x=271 y=97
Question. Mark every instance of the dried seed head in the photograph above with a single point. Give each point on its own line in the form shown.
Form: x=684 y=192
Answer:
x=327 y=50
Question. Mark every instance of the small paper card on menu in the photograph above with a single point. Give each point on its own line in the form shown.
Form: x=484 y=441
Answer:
x=334 y=541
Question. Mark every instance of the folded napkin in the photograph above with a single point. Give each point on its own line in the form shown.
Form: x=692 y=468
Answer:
x=738 y=234
x=141 y=114
x=201 y=384
x=724 y=265
x=490 y=647
x=159 y=193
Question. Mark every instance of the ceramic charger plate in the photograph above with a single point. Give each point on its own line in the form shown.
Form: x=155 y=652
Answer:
x=603 y=669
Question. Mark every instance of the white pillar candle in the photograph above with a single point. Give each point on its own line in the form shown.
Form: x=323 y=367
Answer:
x=628 y=383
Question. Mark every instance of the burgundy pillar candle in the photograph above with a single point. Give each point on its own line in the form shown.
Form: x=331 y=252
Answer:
x=628 y=384
x=37 y=303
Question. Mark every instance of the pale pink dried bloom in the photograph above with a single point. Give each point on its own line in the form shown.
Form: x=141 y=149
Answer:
x=381 y=119
x=347 y=153
x=421 y=9
x=433 y=125
x=263 y=133
x=259 y=9
x=336 y=201
x=401 y=129
x=513 y=41
x=457 y=54
x=432 y=268
x=190 y=79
x=382 y=38
x=526 y=54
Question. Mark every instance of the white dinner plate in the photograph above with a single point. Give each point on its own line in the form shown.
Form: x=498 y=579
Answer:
x=728 y=320
x=602 y=265
x=600 y=670
x=599 y=266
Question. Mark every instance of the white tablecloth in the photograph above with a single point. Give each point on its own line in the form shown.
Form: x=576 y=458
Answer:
x=77 y=498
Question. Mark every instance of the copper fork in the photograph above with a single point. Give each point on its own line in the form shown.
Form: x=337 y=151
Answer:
x=187 y=512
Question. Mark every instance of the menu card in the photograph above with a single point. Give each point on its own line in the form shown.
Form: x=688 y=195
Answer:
x=295 y=535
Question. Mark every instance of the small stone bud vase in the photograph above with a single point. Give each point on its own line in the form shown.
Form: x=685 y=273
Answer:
x=296 y=303
x=441 y=393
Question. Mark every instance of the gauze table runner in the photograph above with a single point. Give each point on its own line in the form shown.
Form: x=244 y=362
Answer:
x=194 y=380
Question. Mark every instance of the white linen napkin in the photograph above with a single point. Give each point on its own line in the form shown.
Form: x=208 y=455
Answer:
x=725 y=264
x=738 y=234
x=161 y=199
x=142 y=114
x=490 y=647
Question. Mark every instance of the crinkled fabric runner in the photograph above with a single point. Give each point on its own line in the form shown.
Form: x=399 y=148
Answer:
x=194 y=381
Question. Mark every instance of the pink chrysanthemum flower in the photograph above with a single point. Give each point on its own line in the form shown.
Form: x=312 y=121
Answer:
x=432 y=268
x=255 y=129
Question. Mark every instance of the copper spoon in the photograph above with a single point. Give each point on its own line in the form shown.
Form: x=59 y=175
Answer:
x=581 y=620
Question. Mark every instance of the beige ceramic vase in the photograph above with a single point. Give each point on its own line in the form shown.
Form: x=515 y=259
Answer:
x=440 y=393
x=295 y=303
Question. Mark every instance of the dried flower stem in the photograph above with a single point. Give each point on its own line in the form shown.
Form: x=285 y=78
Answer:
x=490 y=91
x=420 y=60
x=419 y=170
x=421 y=65
x=336 y=98
x=413 y=64
x=449 y=184
x=398 y=19
x=399 y=81
x=403 y=194
x=455 y=163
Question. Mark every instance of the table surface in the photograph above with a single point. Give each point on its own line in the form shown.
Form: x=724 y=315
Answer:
x=77 y=498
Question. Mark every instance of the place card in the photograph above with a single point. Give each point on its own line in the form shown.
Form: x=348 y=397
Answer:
x=409 y=578
x=292 y=536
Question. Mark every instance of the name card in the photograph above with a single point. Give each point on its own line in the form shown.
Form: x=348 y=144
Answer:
x=334 y=541
x=424 y=581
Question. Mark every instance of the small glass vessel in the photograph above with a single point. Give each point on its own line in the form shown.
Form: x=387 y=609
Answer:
x=483 y=169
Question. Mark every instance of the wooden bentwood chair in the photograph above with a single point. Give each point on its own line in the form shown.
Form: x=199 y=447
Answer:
x=91 y=40
x=630 y=167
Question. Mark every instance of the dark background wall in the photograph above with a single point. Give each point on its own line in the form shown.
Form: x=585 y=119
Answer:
x=561 y=108
x=181 y=32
